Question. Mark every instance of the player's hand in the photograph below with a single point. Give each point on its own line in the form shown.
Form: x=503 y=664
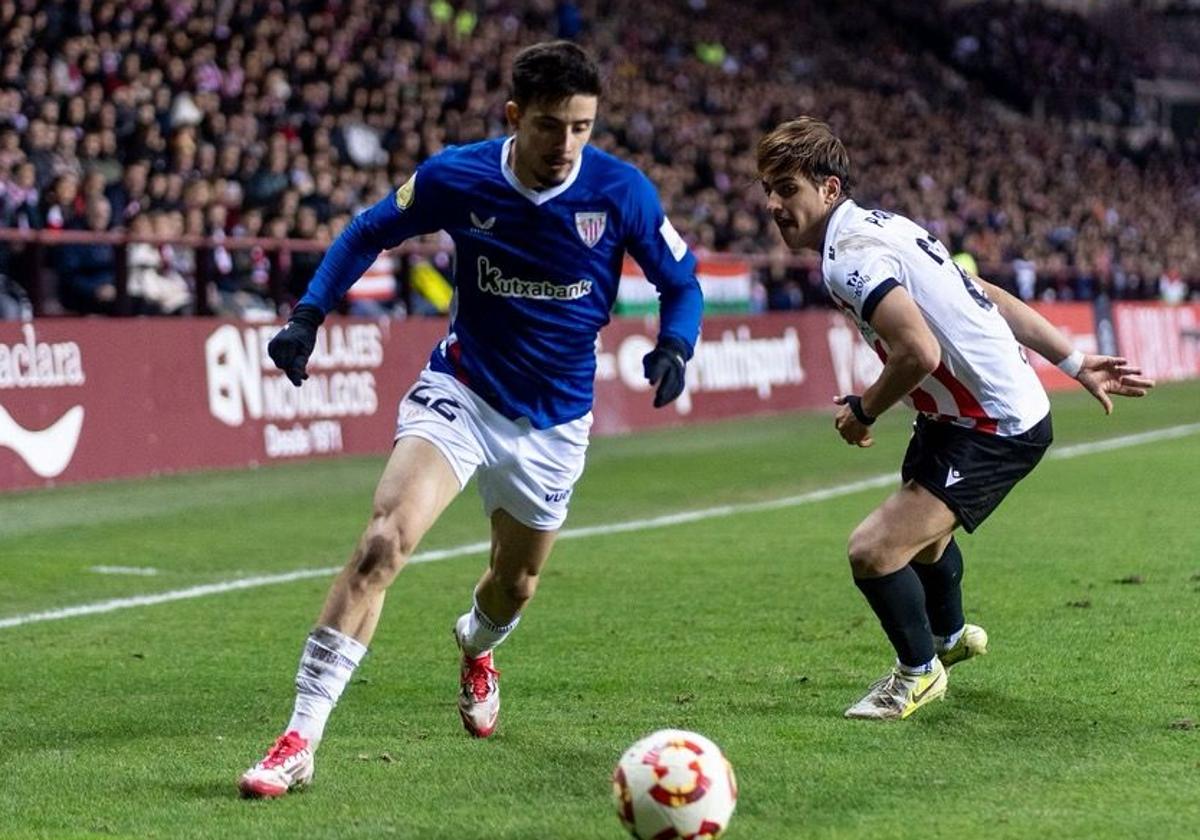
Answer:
x=665 y=366
x=292 y=345
x=852 y=430
x=1105 y=375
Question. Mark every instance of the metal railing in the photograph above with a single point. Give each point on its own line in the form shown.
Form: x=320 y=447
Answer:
x=30 y=251
x=31 y=269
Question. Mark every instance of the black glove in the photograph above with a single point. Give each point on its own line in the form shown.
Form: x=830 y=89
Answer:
x=292 y=345
x=664 y=367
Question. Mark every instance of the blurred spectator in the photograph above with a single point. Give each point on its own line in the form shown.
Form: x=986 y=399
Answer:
x=1173 y=289
x=154 y=286
x=304 y=263
x=87 y=274
x=245 y=289
x=21 y=199
x=64 y=206
x=289 y=117
x=14 y=302
x=128 y=195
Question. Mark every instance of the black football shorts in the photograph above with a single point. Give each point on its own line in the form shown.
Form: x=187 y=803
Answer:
x=971 y=471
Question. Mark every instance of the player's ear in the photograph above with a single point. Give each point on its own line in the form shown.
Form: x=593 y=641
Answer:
x=512 y=112
x=833 y=189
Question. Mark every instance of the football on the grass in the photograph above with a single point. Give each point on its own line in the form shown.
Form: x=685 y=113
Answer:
x=674 y=785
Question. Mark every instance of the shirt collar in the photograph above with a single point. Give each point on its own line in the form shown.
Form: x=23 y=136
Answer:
x=835 y=220
x=538 y=197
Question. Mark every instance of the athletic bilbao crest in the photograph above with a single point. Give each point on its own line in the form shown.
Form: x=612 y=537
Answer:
x=590 y=227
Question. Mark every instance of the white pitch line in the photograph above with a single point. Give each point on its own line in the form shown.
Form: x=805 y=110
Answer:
x=1170 y=433
x=824 y=494
x=143 y=571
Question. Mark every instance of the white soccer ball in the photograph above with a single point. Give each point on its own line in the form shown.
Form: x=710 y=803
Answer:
x=674 y=785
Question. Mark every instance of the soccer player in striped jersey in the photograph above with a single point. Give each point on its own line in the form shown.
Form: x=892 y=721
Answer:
x=541 y=222
x=953 y=348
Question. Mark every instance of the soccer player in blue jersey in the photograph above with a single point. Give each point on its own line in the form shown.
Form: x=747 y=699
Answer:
x=541 y=222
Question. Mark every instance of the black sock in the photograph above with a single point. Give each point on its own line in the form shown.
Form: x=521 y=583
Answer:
x=943 y=590
x=899 y=601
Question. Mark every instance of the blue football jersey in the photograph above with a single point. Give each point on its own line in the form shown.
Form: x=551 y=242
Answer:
x=536 y=273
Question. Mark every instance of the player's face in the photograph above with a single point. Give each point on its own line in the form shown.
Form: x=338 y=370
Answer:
x=550 y=137
x=800 y=208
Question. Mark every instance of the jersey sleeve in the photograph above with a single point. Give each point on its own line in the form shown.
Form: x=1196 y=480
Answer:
x=412 y=210
x=667 y=263
x=861 y=283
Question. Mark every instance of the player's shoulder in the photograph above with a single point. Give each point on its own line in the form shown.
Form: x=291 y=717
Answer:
x=469 y=160
x=861 y=234
x=861 y=249
x=609 y=173
x=608 y=163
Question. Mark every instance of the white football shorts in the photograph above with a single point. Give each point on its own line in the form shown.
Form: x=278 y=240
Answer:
x=528 y=472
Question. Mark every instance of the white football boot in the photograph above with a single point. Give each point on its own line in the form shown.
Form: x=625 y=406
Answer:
x=898 y=695
x=288 y=765
x=479 y=690
x=972 y=642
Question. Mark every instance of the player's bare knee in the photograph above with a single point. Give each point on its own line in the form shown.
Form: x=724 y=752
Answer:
x=518 y=589
x=868 y=555
x=382 y=553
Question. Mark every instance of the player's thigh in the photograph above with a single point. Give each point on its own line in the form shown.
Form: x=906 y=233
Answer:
x=531 y=473
x=436 y=451
x=417 y=485
x=910 y=520
x=517 y=549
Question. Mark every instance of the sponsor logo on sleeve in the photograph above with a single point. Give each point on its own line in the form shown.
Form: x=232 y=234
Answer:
x=855 y=282
x=404 y=195
x=674 y=241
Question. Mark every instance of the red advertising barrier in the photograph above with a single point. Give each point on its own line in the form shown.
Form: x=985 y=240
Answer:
x=87 y=399
x=1077 y=321
x=744 y=365
x=1163 y=340
x=90 y=399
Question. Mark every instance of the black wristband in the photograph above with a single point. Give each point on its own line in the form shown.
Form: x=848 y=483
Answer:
x=855 y=403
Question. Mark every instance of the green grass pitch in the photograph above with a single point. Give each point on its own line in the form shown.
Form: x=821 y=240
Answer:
x=745 y=627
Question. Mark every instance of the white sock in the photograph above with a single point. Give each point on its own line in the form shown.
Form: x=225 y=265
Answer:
x=944 y=643
x=328 y=661
x=477 y=634
x=917 y=670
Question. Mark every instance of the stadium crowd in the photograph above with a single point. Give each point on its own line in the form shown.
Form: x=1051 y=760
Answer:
x=1034 y=55
x=229 y=118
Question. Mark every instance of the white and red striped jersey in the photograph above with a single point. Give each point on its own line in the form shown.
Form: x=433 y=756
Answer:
x=984 y=380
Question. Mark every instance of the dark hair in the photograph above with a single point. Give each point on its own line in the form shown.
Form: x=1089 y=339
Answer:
x=804 y=146
x=553 y=71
